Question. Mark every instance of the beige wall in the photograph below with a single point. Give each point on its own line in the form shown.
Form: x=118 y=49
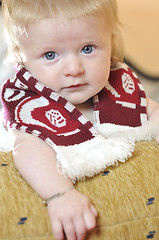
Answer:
x=141 y=33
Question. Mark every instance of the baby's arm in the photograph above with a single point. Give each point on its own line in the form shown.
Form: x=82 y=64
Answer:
x=73 y=213
x=153 y=113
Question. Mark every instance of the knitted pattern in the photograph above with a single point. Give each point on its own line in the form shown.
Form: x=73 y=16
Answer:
x=123 y=100
x=32 y=107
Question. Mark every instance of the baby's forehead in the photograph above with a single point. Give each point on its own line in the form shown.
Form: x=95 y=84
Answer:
x=85 y=29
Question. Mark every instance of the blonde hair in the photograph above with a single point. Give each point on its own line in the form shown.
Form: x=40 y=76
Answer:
x=19 y=14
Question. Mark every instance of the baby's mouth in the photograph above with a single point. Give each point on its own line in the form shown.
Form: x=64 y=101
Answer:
x=75 y=86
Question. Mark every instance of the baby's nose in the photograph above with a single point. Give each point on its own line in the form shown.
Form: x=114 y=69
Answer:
x=73 y=66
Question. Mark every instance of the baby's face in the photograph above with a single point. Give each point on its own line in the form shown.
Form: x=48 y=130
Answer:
x=71 y=57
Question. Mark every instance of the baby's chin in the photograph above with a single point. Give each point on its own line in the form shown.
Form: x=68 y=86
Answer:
x=77 y=100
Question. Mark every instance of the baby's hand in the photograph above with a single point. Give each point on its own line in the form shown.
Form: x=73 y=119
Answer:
x=72 y=215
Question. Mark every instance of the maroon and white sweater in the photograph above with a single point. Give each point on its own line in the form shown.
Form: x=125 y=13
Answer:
x=82 y=148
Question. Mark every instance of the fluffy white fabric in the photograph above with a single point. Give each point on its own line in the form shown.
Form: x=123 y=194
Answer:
x=116 y=144
x=6 y=141
x=146 y=132
x=92 y=157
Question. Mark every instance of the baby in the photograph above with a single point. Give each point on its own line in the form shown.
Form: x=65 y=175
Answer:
x=70 y=82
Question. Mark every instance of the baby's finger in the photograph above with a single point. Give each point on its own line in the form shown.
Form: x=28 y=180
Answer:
x=80 y=228
x=58 y=230
x=94 y=211
x=69 y=231
x=90 y=220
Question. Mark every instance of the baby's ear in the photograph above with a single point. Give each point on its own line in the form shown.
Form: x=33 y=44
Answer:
x=18 y=55
x=117 y=51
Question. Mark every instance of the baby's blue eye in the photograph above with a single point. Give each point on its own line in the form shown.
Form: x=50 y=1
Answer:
x=50 y=55
x=88 y=49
